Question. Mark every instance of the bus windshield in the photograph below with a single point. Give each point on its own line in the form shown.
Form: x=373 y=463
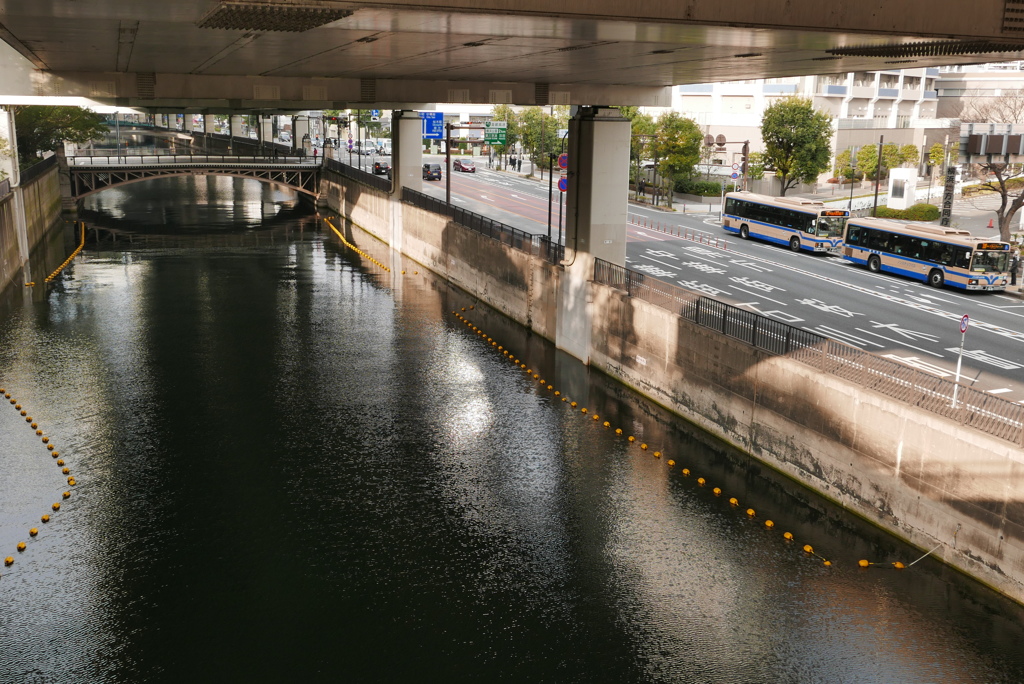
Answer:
x=989 y=262
x=831 y=226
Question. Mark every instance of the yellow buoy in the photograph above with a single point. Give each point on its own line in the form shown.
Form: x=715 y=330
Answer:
x=750 y=512
x=631 y=438
x=39 y=432
x=558 y=393
x=22 y=546
x=828 y=564
x=50 y=447
x=65 y=470
x=717 y=491
x=551 y=387
x=863 y=563
x=769 y=523
x=644 y=447
x=700 y=481
x=45 y=518
x=33 y=532
x=808 y=548
x=60 y=462
x=583 y=410
x=55 y=506
x=671 y=463
x=787 y=535
x=45 y=440
x=56 y=454
x=471 y=306
x=24 y=412
x=596 y=417
x=67 y=495
x=28 y=419
x=572 y=403
x=607 y=424
x=17 y=407
x=734 y=501
x=898 y=565
x=9 y=561
x=657 y=454
x=686 y=472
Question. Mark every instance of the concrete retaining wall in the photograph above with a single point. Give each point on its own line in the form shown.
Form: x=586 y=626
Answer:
x=921 y=477
x=40 y=204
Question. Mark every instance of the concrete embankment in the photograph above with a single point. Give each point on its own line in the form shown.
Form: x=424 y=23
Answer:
x=30 y=222
x=924 y=478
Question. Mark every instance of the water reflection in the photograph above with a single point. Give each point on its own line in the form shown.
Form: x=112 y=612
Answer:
x=290 y=473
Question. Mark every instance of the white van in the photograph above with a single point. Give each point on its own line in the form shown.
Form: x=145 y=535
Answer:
x=384 y=147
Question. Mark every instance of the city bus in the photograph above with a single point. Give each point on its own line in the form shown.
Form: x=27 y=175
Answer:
x=934 y=254
x=802 y=224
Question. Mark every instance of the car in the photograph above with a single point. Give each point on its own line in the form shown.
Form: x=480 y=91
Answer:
x=465 y=165
x=432 y=172
x=381 y=167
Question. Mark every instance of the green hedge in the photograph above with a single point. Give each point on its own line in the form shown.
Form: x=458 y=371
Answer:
x=918 y=212
x=703 y=188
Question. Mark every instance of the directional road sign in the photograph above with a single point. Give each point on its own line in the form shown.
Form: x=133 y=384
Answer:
x=495 y=132
x=433 y=125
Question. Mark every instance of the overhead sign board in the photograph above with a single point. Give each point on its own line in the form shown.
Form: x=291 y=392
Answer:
x=495 y=132
x=433 y=125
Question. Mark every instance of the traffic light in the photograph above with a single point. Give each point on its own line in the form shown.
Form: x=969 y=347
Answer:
x=746 y=155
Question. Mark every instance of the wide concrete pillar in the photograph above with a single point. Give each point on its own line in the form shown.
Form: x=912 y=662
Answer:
x=209 y=123
x=237 y=126
x=596 y=206
x=300 y=130
x=406 y=169
x=186 y=122
x=267 y=129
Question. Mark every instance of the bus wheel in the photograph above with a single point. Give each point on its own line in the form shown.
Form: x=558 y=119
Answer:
x=874 y=263
x=744 y=232
x=794 y=243
x=935 y=278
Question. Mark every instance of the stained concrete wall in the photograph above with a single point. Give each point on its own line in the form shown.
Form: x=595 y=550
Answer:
x=920 y=476
x=40 y=202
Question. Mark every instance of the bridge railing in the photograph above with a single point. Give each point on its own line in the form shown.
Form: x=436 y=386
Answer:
x=531 y=243
x=352 y=173
x=151 y=159
x=981 y=410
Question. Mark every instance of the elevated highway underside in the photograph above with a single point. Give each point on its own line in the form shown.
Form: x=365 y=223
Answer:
x=282 y=55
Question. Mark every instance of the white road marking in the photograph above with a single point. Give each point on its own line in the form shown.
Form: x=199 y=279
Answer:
x=899 y=342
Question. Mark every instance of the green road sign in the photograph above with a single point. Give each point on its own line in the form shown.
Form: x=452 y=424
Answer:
x=494 y=132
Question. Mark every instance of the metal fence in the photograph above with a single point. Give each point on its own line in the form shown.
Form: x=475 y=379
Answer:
x=974 y=408
x=358 y=175
x=538 y=245
x=36 y=170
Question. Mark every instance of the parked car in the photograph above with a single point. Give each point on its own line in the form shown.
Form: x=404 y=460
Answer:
x=432 y=172
x=381 y=167
x=465 y=165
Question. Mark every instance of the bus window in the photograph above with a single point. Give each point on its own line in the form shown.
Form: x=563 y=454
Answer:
x=988 y=262
x=853 y=235
x=961 y=257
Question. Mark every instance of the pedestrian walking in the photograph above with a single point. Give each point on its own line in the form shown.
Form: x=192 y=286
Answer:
x=1014 y=267
x=641 y=187
x=519 y=164
x=314 y=153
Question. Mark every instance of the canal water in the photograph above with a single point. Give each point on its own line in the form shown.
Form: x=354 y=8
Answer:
x=294 y=465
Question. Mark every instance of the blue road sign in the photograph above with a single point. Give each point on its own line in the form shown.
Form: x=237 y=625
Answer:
x=433 y=125
x=374 y=112
x=563 y=184
x=563 y=161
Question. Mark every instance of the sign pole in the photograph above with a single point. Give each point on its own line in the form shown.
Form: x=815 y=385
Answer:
x=448 y=163
x=960 y=358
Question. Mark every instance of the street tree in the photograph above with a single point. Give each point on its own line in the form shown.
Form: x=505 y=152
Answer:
x=677 y=149
x=42 y=128
x=539 y=131
x=1004 y=179
x=642 y=129
x=796 y=138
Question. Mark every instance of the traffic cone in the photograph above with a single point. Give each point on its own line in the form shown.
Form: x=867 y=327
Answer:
x=990 y=225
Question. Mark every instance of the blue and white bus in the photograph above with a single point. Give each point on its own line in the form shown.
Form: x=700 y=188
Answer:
x=934 y=254
x=799 y=223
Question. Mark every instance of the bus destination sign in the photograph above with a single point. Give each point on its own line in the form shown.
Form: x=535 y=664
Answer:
x=1002 y=246
x=835 y=212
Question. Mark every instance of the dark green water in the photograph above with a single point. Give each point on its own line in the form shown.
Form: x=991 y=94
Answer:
x=294 y=466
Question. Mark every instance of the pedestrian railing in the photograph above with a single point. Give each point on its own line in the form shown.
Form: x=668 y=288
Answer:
x=537 y=245
x=38 y=169
x=977 y=409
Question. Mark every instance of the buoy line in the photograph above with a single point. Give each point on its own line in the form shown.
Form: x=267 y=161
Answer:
x=54 y=453
x=353 y=247
x=81 y=246
x=630 y=439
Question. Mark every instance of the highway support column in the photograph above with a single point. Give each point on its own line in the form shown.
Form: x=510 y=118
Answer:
x=596 y=214
x=407 y=168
